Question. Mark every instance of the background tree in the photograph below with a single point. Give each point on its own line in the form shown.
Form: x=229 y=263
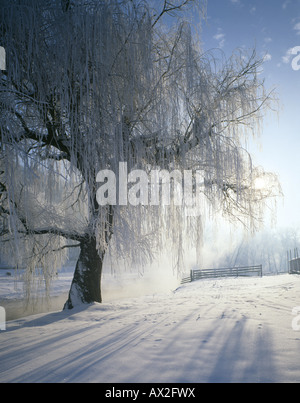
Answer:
x=270 y=248
x=91 y=84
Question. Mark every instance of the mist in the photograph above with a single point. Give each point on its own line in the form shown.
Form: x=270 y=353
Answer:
x=222 y=246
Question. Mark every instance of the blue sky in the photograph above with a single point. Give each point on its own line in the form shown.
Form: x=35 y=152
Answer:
x=273 y=28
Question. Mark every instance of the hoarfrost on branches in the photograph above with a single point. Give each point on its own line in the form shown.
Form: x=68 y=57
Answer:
x=91 y=84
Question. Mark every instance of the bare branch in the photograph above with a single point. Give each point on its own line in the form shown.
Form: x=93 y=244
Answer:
x=168 y=8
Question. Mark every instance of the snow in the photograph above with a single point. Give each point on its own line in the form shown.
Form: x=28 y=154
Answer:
x=217 y=330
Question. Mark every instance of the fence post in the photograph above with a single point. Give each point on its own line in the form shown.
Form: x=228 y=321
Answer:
x=192 y=276
x=261 y=271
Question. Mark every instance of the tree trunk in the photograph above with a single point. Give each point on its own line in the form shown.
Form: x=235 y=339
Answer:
x=86 y=284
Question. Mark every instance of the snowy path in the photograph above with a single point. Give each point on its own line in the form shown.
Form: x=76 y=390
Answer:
x=227 y=330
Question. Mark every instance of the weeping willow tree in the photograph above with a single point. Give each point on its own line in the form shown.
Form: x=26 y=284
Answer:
x=91 y=84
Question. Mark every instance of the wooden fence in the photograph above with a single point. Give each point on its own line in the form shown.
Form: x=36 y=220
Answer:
x=244 y=271
x=294 y=266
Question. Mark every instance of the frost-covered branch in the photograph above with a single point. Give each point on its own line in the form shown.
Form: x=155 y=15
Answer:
x=169 y=7
x=99 y=82
x=28 y=230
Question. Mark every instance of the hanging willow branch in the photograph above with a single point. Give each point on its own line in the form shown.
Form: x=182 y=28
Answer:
x=91 y=84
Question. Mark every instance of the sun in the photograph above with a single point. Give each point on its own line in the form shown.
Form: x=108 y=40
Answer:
x=260 y=183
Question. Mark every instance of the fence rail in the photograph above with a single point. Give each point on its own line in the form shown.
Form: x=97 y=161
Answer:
x=294 y=266
x=244 y=271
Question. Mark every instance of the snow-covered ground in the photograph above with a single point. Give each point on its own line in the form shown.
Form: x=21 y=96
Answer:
x=218 y=330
